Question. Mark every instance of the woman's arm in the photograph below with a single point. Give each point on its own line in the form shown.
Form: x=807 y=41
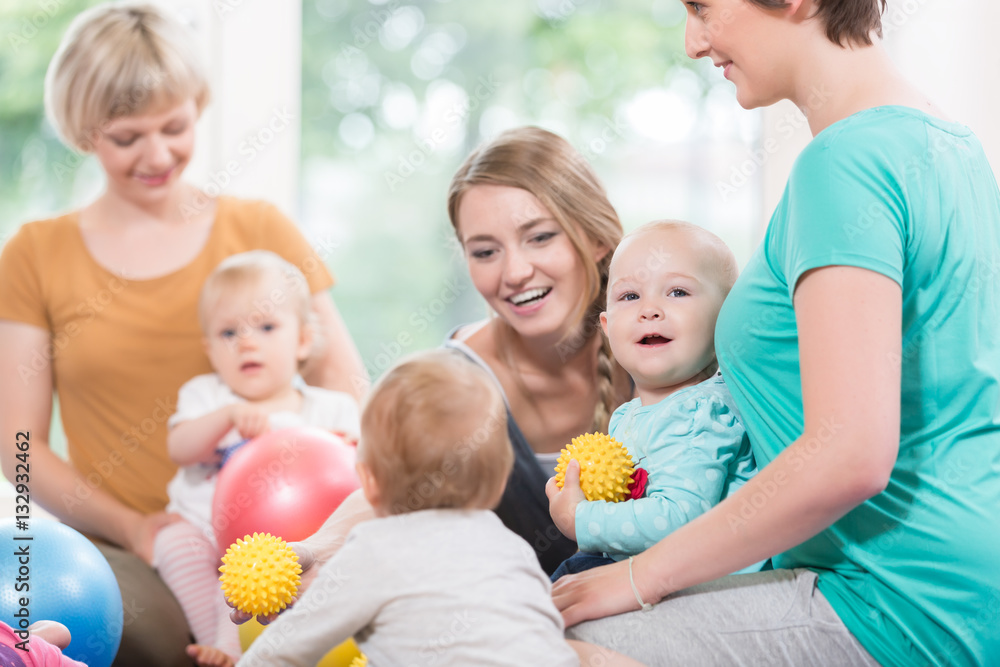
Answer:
x=337 y=364
x=326 y=541
x=27 y=406
x=849 y=323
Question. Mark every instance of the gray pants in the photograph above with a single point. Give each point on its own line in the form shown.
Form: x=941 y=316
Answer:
x=770 y=618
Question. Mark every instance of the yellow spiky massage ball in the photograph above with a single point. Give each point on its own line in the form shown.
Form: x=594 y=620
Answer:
x=605 y=466
x=260 y=574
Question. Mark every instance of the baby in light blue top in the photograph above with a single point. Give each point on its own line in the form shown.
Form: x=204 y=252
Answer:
x=667 y=283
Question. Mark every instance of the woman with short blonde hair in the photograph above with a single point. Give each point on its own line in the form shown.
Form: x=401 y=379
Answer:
x=116 y=62
x=101 y=303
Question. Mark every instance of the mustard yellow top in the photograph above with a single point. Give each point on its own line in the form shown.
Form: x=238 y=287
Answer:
x=121 y=348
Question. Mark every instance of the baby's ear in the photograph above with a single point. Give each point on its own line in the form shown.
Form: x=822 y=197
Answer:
x=307 y=336
x=369 y=485
x=604 y=322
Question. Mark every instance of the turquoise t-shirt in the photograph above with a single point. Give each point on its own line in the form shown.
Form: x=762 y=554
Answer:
x=914 y=572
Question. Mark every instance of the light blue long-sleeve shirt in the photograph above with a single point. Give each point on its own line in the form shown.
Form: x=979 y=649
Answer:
x=695 y=451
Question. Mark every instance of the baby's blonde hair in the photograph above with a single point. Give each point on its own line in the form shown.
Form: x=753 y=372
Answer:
x=247 y=269
x=116 y=60
x=723 y=261
x=434 y=435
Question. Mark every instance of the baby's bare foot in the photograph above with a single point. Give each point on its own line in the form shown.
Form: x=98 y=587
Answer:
x=209 y=656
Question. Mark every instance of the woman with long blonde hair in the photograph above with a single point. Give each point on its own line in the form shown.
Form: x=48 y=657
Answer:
x=538 y=231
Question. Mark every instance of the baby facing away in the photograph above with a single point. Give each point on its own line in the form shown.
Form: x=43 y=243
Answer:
x=435 y=578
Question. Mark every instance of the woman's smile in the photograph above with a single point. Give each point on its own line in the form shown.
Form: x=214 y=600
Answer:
x=530 y=296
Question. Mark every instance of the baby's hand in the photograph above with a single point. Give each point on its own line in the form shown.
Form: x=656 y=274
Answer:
x=563 y=502
x=250 y=419
x=309 y=572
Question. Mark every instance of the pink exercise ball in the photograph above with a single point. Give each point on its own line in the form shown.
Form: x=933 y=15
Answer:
x=285 y=482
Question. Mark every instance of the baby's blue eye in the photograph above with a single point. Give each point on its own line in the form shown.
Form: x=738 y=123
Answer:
x=228 y=333
x=628 y=296
x=267 y=327
x=677 y=291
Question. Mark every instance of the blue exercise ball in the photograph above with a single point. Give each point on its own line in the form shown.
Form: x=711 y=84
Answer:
x=59 y=575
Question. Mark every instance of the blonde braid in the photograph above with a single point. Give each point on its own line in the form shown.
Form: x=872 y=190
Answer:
x=607 y=398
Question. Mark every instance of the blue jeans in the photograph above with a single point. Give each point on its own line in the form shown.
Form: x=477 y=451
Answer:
x=579 y=562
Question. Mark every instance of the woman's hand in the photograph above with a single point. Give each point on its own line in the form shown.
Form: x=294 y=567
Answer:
x=596 y=593
x=563 y=502
x=309 y=571
x=143 y=533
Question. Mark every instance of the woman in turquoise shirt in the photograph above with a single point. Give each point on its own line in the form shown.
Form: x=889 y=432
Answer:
x=861 y=346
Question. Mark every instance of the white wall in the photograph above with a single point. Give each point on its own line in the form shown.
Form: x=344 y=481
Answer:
x=248 y=138
x=945 y=48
